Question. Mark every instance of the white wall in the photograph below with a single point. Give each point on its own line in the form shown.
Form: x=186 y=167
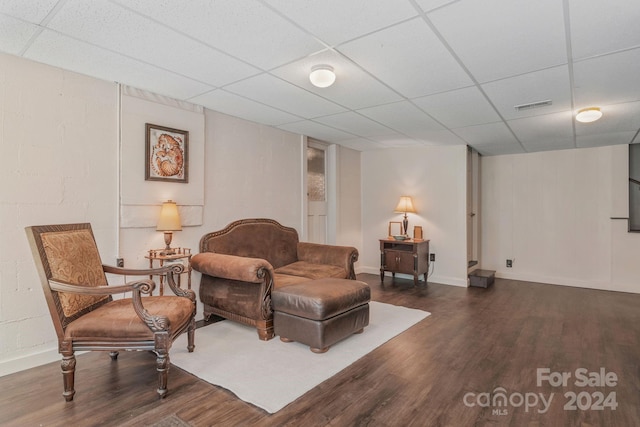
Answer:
x=349 y=210
x=551 y=212
x=251 y=171
x=435 y=177
x=59 y=150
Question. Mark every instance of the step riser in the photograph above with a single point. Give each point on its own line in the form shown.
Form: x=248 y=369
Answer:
x=481 y=278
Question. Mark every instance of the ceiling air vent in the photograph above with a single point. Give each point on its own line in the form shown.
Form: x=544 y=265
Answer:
x=533 y=105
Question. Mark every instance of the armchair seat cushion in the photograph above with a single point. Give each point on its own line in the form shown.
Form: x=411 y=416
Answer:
x=119 y=315
x=282 y=280
x=312 y=271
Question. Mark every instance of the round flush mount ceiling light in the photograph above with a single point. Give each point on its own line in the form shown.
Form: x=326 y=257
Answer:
x=588 y=115
x=322 y=76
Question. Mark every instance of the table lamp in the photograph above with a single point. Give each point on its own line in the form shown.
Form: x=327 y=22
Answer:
x=169 y=222
x=405 y=205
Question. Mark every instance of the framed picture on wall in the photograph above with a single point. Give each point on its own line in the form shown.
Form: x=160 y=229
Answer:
x=166 y=154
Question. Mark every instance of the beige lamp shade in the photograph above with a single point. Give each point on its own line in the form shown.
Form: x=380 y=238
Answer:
x=169 y=217
x=405 y=205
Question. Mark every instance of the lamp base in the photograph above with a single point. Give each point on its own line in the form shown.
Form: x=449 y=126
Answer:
x=168 y=236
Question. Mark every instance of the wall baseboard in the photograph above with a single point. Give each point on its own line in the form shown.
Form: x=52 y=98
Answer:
x=29 y=361
x=443 y=280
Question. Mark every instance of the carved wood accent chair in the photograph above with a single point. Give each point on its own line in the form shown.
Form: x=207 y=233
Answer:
x=85 y=315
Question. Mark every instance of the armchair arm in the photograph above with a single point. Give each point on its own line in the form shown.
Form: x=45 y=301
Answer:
x=144 y=286
x=341 y=256
x=160 y=271
x=169 y=270
x=231 y=267
x=157 y=323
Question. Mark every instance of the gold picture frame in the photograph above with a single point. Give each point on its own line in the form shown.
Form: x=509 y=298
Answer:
x=417 y=233
x=166 y=154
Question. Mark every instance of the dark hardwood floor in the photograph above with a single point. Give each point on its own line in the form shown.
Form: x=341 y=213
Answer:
x=441 y=372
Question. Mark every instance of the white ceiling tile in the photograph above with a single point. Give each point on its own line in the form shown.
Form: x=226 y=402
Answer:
x=613 y=138
x=244 y=28
x=610 y=79
x=353 y=88
x=502 y=38
x=599 y=27
x=273 y=91
x=440 y=137
x=113 y=27
x=317 y=131
x=14 y=34
x=550 y=84
x=234 y=105
x=547 y=132
x=428 y=5
x=459 y=108
x=403 y=117
x=355 y=17
x=361 y=144
x=487 y=134
x=401 y=143
x=61 y=51
x=356 y=124
x=409 y=58
x=394 y=138
x=33 y=11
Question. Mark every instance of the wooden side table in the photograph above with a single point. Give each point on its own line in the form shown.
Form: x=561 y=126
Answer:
x=181 y=254
x=404 y=256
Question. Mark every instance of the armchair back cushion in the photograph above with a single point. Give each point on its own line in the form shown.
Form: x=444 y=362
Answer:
x=72 y=257
x=255 y=238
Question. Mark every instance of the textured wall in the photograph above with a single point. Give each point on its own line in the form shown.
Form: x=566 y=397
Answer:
x=59 y=149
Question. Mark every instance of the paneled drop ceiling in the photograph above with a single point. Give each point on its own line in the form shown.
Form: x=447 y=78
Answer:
x=409 y=72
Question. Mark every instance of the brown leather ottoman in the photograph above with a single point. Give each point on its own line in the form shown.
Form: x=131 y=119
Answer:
x=321 y=312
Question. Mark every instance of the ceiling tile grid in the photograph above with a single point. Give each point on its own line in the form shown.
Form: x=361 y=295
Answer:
x=409 y=72
x=409 y=58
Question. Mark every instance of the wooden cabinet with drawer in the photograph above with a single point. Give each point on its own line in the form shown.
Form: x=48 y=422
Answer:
x=404 y=256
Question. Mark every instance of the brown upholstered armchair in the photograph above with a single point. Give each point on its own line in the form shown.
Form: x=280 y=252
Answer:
x=242 y=263
x=85 y=315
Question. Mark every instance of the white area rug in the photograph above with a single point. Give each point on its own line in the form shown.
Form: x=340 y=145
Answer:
x=271 y=374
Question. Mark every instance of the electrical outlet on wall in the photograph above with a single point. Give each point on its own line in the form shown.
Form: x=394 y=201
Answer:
x=509 y=263
x=432 y=257
x=120 y=262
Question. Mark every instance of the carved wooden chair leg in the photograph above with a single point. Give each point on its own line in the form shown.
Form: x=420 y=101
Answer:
x=113 y=355
x=191 y=335
x=162 y=365
x=68 y=375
